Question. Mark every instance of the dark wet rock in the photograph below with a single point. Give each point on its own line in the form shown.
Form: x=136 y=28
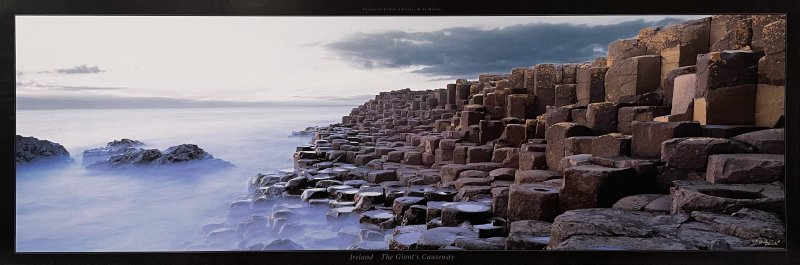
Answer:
x=406 y=237
x=468 y=192
x=455 y=213
x=315 y=193
x=368 y=198
x=441 y=237
x=30 y=148
x=376 y=217
x=689 y=196
x=441 y=194
x=528 y=235
x=150 y=157
x=490 y=230
x=116 y=147
x=415 y=215
x=401 y=204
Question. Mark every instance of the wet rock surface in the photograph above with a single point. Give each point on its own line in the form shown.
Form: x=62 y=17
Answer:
x=179 y=154
x=116 y=147
x=28 y=149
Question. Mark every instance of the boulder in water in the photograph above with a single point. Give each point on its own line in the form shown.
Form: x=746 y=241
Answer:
x=116 y=147
x=30 y=148
x=179 y=154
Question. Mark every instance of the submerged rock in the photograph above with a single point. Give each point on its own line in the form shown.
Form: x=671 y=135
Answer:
x=309 y=131
x=31 y=148
x=179 y=154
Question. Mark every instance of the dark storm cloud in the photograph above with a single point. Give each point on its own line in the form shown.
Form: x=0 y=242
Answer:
x=80 y=69
x=469 y=51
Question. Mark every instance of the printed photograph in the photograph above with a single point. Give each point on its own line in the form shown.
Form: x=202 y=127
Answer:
x=259 y=133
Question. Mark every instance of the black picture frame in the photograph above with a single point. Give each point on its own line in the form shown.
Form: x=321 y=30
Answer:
x=10 y=8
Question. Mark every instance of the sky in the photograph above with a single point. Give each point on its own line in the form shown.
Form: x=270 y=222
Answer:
x=64 y=61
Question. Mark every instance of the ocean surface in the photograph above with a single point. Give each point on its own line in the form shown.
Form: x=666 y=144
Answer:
x=65 y=208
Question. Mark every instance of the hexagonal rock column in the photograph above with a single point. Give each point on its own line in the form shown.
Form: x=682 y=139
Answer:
x=633 y=76
x=469 y=118
x=726 y=106
x=456 y=213
x=688 y=196
x=619 y=50
x=626 y=115
x=477 y=154
x=578 y=145
x=401 y=204
x=602 y=117
x=534 y=176
x=648 y=136
x=532 y=160
x=730 y=32
x=500 y=201
x=772 y=67
x=765 y=141
x=693 y=152
x=590 y=86
x=544 y=82
x=514 y=134
x=532 y=202
x=612 y=144
x=593 y=186
x=769 y=105
x=745 y=168
x=490 y=130
x=668 y=82
x=556 y=136
x=528 y=235
x=565 y=95
x=520 y=106
x=685 y=41
x=450 y=172
x=508 y=156
x=683 y=93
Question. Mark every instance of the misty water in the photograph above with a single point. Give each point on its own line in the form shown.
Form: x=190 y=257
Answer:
x=64 y=207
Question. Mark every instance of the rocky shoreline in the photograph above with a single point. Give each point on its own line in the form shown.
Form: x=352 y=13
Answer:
x=673 y=141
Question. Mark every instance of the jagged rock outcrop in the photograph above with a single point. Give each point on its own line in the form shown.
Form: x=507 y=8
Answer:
x=28 y=149
x=180 y=154
x=116 y=147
